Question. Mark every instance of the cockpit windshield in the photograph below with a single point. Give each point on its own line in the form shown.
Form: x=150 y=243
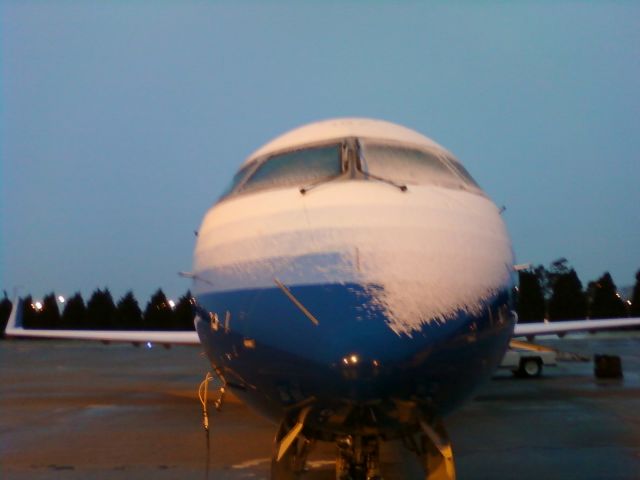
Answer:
x=412 y=166
x=398 y=164
x=296 y=168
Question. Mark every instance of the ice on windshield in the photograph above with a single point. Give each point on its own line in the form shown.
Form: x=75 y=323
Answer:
x=413 y=166
x=295 y=169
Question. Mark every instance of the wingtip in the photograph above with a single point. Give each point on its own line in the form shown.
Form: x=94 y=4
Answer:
x=14 y=324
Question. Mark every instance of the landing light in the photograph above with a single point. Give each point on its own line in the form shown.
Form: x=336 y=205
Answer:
x=149 y=345
x=37 y=306
x=172 y=304
x=351 y=359
x=60 y=298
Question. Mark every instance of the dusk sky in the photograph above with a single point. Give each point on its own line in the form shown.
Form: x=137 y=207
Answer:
x=122 y=122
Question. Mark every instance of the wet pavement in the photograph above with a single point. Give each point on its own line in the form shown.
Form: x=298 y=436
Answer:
x=86 y=410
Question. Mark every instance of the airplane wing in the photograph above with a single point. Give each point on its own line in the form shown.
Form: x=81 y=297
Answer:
x=544 y=328
x=15 y=329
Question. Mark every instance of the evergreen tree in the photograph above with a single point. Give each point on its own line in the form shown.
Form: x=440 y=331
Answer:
x=74 y=313
x=128 y=313
x=568 y=301
x=557 y=269
x=547 y=277
x=530 y=304
x=5 y=313
x=590 y=292
x=50 y=314
x=29 y=318
x=635 y=298
x=158 y=314
x=544 y=280
x=606 y=299
x=184 y=312
x=100 y=310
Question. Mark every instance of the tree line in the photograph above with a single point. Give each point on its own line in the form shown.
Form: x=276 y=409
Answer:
x=553 y=293
x=556 y=293
x=101 y=313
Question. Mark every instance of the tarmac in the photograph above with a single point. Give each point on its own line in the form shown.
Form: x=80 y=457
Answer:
x=78 y=410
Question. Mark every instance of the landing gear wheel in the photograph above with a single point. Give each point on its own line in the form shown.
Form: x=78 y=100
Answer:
x=530 y=368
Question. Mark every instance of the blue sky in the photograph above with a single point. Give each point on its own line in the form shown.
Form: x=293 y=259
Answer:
x=122 y=122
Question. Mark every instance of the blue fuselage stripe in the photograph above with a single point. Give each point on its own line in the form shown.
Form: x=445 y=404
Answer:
x=443 y=361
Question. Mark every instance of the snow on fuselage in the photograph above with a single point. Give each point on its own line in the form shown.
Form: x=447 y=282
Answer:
x=356 y=289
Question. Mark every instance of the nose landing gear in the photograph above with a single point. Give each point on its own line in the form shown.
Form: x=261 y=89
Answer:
x=358 y=458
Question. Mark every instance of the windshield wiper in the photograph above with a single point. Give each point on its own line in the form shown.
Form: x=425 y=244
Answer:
x=353 y=169
x=401 y=187
x=344 y=171
x=362 y=161
x=305 y=188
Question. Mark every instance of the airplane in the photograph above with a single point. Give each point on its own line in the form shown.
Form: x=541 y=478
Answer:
x=355 y=285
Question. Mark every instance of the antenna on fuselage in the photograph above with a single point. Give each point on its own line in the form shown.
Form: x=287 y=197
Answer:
x=296 y=302
x=195 y=277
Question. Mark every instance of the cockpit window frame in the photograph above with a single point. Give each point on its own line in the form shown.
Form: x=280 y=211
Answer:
x=460 y=170
x=236 y=181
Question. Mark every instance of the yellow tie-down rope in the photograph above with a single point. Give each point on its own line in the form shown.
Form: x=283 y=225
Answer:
x=203 y=394
x=203 y=391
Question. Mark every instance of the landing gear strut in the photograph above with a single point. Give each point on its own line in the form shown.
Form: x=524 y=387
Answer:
x=436 y=453
x=290 y=450
x=433 y=449
x=358 y=458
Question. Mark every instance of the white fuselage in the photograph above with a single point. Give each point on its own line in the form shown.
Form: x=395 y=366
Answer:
x=354 y=262
x=427 y=253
